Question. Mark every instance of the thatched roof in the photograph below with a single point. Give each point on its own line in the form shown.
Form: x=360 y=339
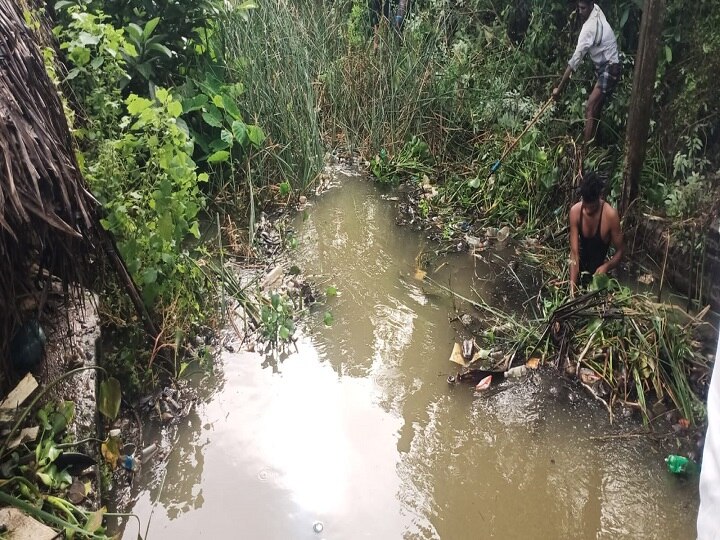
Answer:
x=47 y=216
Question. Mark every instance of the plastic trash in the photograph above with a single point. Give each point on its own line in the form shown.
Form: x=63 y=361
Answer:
x=483 y=384
x=679 y=464
x=129 y=463
x=148 y=452
x=516 y=372
x=467 y=349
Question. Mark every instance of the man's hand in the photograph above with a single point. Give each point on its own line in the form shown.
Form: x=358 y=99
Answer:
x=602 y=269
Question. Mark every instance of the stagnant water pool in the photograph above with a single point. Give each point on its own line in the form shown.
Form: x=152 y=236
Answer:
x=357 y=434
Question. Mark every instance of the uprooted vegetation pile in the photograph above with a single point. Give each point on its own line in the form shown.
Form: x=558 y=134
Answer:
x=623 y=347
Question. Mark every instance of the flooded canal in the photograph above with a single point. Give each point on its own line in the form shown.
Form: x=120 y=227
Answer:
x=358 y=434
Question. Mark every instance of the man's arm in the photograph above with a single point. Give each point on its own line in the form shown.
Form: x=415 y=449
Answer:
x=574 y=247
x=616 y=238
x=563 y=83
x=585 y=40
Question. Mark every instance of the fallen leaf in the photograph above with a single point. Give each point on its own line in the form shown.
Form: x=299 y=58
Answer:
x=456 y=355
x=26 y=435
x=94 y=521
x=684 y=423
x=76 y=493
x=110 y=450
x=420 y=274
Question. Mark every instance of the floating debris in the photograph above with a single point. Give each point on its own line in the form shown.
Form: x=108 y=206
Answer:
x=484 y=384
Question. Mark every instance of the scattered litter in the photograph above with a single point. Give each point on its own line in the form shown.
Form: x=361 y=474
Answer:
x=679 y=464
x=588 y=376
x=457 y=356
x=646 y=279
x=318 y=527
x=148 y=452
x=516 y=372
x=533 y=363
x=129 y=463
x=484 y=384
x=26 y=435
x=20 y=526
x=467 y=349
x=503 y=234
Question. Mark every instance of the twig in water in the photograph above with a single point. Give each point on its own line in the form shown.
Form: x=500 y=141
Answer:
x=601 y=400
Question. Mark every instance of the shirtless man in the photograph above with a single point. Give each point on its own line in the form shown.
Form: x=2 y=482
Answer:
x=594 y=226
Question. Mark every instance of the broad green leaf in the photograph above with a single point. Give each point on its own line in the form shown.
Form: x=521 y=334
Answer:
x=331 y=291
x=474 y=183
x=159 y=47
x=150 y=27
x=218 y=101
x=194 y=103
x=599 y=282
x=136 y=105
x=162 y=95
x=284 y=188
x=231 y=107
x=226 y=136
x=239 y=130
x=109 y=397
x=255 y=134
x=150 y=275
x=62 y=416
x=174 y=109
x=219 y=156
x=195 y=230
x=165 y=227
x=212 y=119
x=88 y=39
x=134 y=31
x=294 y=270
x=284 y=333
x=327 y=318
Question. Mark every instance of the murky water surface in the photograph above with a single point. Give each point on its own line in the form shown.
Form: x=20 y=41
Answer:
x=358 y=435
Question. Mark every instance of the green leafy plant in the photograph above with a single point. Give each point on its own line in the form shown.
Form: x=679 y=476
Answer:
x=277 y=319
x=149 y=186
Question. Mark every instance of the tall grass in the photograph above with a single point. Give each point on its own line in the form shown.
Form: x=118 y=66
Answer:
x=269 y=54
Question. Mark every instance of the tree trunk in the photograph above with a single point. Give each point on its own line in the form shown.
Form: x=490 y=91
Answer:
x=641 y=99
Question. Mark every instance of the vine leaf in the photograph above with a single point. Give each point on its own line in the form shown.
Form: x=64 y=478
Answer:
x=109 y=398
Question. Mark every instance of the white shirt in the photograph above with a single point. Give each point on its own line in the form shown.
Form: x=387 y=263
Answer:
x=597 y=38
x=708 y=522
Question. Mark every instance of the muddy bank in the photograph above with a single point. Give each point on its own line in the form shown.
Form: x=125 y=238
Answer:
x=669 y=250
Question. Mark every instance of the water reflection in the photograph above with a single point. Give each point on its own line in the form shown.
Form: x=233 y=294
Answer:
x=358 y=429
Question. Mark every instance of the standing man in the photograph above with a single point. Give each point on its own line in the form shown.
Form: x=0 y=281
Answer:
x=378 y=8
x=594 y=226
x=597 y=38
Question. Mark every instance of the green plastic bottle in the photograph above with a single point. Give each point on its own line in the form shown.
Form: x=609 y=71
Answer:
x=679 y=464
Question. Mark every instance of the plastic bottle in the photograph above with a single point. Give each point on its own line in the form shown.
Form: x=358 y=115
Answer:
x=679 y=464
x=129 y=463
x=516 y=372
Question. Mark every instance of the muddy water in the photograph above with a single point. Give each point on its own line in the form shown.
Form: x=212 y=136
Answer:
x=359 y=435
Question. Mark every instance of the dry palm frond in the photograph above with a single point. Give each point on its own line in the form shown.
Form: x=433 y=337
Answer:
x=47 y=216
